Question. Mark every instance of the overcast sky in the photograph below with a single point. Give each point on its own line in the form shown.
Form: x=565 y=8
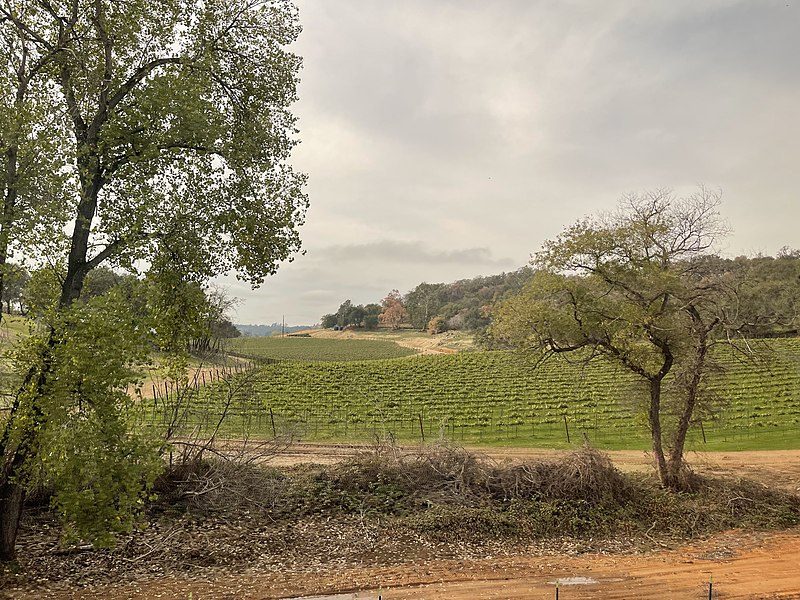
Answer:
x=446 y=139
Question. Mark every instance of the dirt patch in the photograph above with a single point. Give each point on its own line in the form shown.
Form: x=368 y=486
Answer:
x=156 y=385
x=743 y=566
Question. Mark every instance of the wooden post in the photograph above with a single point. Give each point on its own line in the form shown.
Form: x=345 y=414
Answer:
x=421 y=428
x=566 y=428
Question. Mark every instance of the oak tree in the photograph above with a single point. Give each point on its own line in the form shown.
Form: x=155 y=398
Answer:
x=629 y=287
x=394 y=312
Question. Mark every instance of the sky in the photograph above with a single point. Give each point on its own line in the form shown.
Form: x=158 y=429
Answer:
x=446 y=139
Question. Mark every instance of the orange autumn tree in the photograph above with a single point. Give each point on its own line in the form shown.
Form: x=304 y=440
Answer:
x=394 y=313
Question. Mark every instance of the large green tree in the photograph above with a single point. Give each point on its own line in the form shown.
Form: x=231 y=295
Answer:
x=631 y=288
x=173 y=150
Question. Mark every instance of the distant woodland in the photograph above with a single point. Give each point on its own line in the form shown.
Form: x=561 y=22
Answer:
x=766 y=285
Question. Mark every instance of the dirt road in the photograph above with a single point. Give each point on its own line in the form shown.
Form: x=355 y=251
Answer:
x=743 y=566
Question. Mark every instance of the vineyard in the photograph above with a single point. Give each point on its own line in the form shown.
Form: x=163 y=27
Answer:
x=315 y=349
x=498 y=398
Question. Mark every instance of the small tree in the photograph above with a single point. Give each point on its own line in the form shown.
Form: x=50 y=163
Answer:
x=394 y=313
x=436 y=325
x=629 y=287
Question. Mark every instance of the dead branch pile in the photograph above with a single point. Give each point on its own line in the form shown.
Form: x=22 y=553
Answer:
x=446 y=474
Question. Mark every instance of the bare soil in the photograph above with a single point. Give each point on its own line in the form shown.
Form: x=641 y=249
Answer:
x=743 y=566
x=312 y=559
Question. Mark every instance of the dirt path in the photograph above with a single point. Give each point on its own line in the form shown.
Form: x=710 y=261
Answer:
x=743 y=566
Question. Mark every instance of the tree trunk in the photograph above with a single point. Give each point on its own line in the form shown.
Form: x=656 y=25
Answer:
x=11 y=170
x=654 y=416
x=12 y=498
x=9 y=201
x=677 y=467
x=14 y=456
x=12 y=492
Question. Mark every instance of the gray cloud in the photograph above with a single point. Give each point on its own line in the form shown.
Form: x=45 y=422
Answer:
x=391 y=251
x=442 y=136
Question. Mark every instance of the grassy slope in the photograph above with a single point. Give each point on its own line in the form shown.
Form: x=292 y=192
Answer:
x=11 y=328
x=317 y=349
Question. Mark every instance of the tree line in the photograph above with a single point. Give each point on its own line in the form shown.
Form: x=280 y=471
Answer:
x=765 y=291
x=434 y=307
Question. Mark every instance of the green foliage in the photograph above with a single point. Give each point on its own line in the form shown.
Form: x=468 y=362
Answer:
x=351 y=315
x=183 y=131
x=329 y=321
x=223 y=328
x=371 y=322
x=15 y=279
x=177 y=308
x=40 y=295
x=161 y=131
x=316 y=349
x=83 y=447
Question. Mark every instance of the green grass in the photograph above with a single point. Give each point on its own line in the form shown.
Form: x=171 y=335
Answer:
x=12 y=327
x=316 y=349
x=495 y=398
